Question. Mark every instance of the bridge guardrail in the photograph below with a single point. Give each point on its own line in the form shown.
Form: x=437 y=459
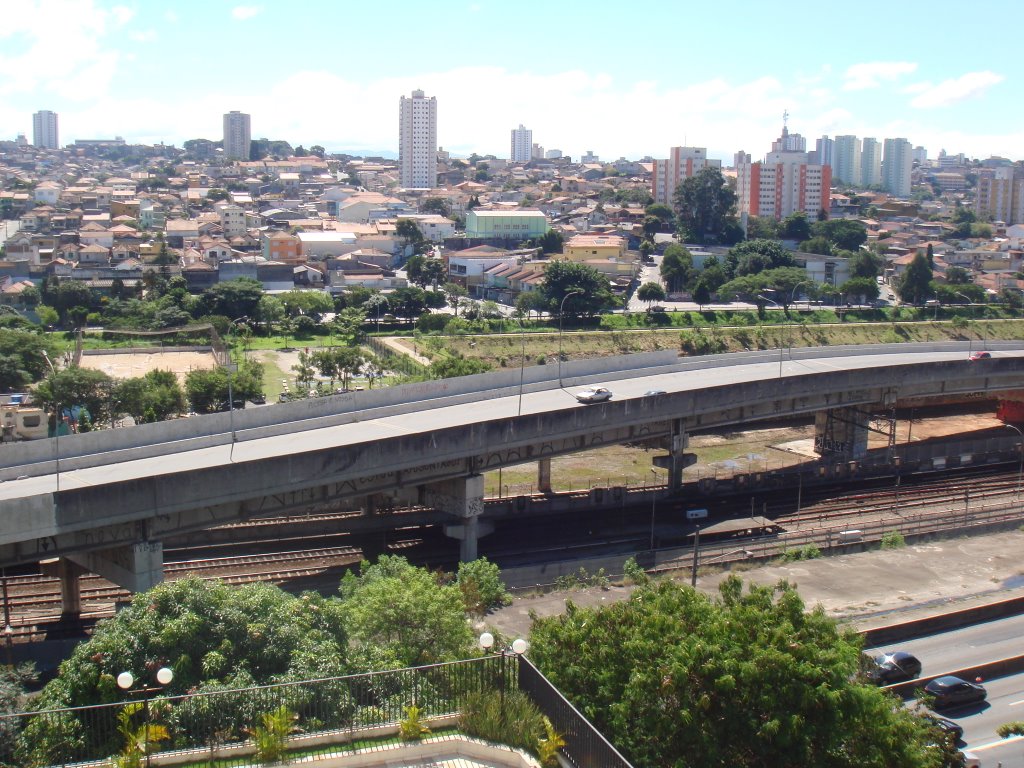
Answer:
x=37 y=457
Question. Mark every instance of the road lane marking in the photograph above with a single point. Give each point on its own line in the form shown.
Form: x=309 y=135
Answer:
x=1000 y=743
x=1015 y=703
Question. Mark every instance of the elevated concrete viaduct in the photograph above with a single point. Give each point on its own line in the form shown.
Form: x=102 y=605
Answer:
x=113 y=508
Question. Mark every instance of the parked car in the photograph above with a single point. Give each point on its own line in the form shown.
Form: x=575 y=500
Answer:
x=654 y=392
x=950 y=690
x=894 y=668
x=594 y=395
x=980 y=355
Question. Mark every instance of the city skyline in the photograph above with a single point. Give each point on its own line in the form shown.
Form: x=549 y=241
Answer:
x=128 y=68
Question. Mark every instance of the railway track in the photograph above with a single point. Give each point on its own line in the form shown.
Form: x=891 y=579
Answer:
x=35 y=600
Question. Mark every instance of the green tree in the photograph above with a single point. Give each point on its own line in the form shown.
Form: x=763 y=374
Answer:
x=156 y=392
x=76 y=386
x=795 y=227
x=25 y=349
x=753 y=256
x=673 y=677
x=914 y=287
x=207 y=389
x=701 y=293
x=677 y=268
x=660 y=211
x=432 y=273
x=865 y=264
x=481 y=586
x=705 y=206
x=314 y=303
x=846 y=234
x=232 y=298
x=819 y=244
x=398 y=615
x=436 y=205
x=762 y=227
x=861 y=288
x=455 y=294
x=348 y=323
x=590 y=288
x=451 y=366
x=551 y=241
x=650 y=293
x=411 y=233
x=210 y=634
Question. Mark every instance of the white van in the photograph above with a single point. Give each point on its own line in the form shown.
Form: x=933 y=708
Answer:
x=696 y=514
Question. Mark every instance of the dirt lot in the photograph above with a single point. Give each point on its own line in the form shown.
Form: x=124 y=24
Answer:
x=134 y=364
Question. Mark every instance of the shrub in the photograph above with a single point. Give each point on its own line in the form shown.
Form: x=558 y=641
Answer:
x=481 y=586
x=634 y=572
x=271 y=736
x=547 y=748
x=893 y=540
x=520 y=725
x=411 y=728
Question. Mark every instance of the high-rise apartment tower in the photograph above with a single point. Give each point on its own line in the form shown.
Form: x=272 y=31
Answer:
x=44 y=129
x=237 y=136
x=522 y=145
x=417 y=141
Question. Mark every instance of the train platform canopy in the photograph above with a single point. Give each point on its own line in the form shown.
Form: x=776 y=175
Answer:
x=753 y=524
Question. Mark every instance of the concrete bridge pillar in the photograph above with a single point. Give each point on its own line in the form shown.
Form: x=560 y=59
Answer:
x=677 y=459
x=841 y=433
x=463 y=498
x=544 y=475
x=70 y=588
x=136 y=567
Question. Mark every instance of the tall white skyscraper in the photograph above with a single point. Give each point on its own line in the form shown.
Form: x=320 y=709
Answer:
x=897 y=163
x=237 y=136
x=870 y=162
x=522 y=145
x=417 y=141
x=44 y=129
x=846 y=160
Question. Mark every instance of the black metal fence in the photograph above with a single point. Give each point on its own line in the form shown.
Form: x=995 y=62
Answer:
x=585 y=747
x=223 y=723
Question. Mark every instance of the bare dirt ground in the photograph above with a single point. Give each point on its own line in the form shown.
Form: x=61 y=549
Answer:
x=134 y=364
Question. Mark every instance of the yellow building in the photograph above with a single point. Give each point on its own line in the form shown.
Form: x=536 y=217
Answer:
x=594 y=248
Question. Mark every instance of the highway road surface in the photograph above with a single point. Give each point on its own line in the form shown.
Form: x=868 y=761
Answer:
x=310 y=437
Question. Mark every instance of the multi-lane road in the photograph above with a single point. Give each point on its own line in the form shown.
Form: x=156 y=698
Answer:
x=308 y=436
x=967 y=647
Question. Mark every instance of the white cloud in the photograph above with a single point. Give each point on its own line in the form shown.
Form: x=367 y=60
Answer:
x=86 y=66
x=122 y=14
x=952 y=91
x=871 y=74
x=243 y=12
x=143 y=35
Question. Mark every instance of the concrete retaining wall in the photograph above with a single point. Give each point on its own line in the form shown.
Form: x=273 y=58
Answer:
x=944 y=622
x=998 y=668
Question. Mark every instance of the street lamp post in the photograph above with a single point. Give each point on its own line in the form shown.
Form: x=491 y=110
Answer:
x=517 y=649
x=970 y=341
x=782 y=347
x=1020 y=450
x=56 y=420
x=654 y=500
x=126 y=680
x=522 y=367
x=561 y=309
x=792 y=298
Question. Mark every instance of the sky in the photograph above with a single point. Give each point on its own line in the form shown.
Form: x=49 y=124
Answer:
x=622 y=79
